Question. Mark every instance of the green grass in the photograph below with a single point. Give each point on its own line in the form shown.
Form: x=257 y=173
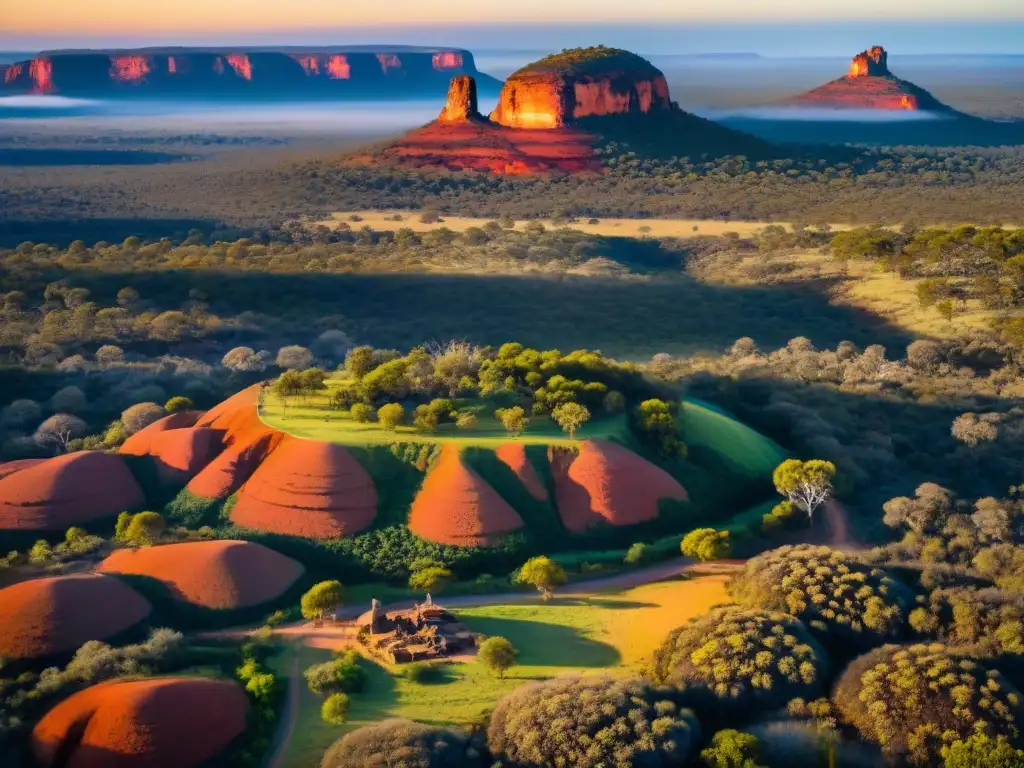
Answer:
x=714 y=436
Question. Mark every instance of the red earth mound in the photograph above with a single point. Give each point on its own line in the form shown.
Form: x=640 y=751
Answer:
x=456 y=506
x=10 y=467
x=514 y=456
x=139 y=444
x=179 y=452
x=485 y=146
x=608 y=484
x=307 y=488
x=154 y=723
x=58 y=614
x=245 y=441
x=213 y=574
x=67 y=490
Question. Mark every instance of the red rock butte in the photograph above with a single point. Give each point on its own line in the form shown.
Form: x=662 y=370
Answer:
x=213 y=574
x=607 y=484
x=58 y=614
x=870 y=85
x=171 y=721
x=177 y=447
x=67 y=490
x=307 y=488
x=457 y=506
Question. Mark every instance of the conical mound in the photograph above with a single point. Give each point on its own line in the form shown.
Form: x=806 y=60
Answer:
x=606 y=484
x=58 y=614
x=513 y=455
x=171 y=722
x=212 y=574
x=457 y=506
x=177 y=448
x=307 y=488
x=140 y=443
x=67 y=490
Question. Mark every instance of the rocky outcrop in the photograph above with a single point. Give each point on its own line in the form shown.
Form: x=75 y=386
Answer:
x=287 y=73
x=581 y=83
x=870 y=85
x=462 y=105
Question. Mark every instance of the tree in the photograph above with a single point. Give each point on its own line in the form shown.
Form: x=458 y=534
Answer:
x=341 y=674
x=20 y=413
x=497 y=654
x=243 y=360
x=430 y=579
x=293 y=357
x=542 y=573
x=570 y=417
x=982 y=751
x=402 y=744
x=732 y=749
x=391 y=416
x=321 y=599
x=59 y=430
x=179 y=404
x=656 y=422
x=335 y=709
x=466 y=420
x=808 y=484
x=359 y=362
x=425 y=418
x=706 y=544
x=512 y=419
x=140 y=416
x=362 y=413
x=69 y=400
x=145 y=529
x=972 y=429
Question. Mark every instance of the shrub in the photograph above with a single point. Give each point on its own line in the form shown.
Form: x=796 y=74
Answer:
x=497 y=654
x=362 y=413
x=422 y=672
x=636 y=554
x=784 y=516
x=743 y=657
x=391 y=415
x=402 y=744
x=145 y=529
x=586 y=722
x=433 y=578
x=982 y=750
x=335 y=709
x=179 y=404
x=731 y=749
x=706 y=544
x=140 y=416
x=914 y=700
x=341 y=674
x=827 y=590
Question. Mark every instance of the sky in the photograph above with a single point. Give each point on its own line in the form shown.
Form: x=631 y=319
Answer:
x=715 y=25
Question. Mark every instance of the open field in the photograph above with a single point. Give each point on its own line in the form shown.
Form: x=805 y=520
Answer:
x=589 y=632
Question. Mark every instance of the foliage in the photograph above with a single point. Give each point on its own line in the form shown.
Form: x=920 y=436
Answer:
x=340 y=674
x=808 y=484
x=828 y=590
x=143 y=529
x=732 y=749
x=636 y=554
x=784 y=516
x=432 y=578
x=497 y=654
x=541 y=573
x=706 y=544
x=322 y=598
x=589 y=722
x=570 y=417
x=744 y=658
x=335 y=709
x=140 y=416
x=391 y=415
x=396 y=743
x=179 y=404
x=513 y=419
x=913 y=700
x=656 y=423
x=980 y=749
x=362 y=413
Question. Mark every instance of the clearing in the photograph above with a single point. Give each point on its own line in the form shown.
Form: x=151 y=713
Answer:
x=585 y=632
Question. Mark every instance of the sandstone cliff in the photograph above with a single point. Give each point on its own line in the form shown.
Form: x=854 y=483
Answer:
x=581 y=83
x=360 y=72
x=870 y=85
x=462 y=104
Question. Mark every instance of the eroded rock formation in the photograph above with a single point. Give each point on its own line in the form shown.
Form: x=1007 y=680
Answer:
x=874 y=62
x=462 y=104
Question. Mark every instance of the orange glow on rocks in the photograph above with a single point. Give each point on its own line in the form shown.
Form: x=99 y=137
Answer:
x=388 y=61
x=310 y=64
x=173 y=67
x=40 y=71
x=13 y=72
x=338 y=68
x=873 y=62
x=241 y=64
x=335 y=66
x=447 y=60
x=129 y=69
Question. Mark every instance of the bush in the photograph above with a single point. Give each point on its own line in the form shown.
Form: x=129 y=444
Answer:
x=914 y=700
x=362 y=413
x=402 y=744
x=706 y=544
x=391 y=415
x=423 y=673
x=497 y=654
x=743 y=658
x=140 y=416
x=145 y=529
x=636 y=554
x=587 y=722
x=981 y=750
x=731 y=749
x=341 y=674
x=827 y=590
x=335 y=709
x=178 y=405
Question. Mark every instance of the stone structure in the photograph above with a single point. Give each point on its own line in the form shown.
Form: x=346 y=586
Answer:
x=424 y=633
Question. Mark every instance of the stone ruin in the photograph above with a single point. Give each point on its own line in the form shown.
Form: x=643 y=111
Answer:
x=425 y=632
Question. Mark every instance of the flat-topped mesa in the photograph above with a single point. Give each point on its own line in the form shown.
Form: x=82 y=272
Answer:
x=873 y=62
x=462 y=105
x=580 y=83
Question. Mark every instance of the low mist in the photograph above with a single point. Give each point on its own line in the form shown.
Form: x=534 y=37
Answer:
x=820 y=114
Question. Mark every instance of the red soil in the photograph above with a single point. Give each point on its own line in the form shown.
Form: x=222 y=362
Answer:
x=608 y=484
x=307 y=488
x=456 y=506
x=484 y=146
x=58 y=614
x=140 y=443
x=67 y=490
x=179 y=450
x=213 y=574
x=246 y=441
x=152 y=723
x=514 y=455
x=10 y=467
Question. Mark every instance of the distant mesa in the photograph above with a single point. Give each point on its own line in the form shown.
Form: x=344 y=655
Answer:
x=457 y=506
x=222 y=575
x=67 y=490
x=171 y=721
x=53 y=615
x=607 y=484
x=251 y=72
x=307 y=488
x=870 y=85
x=554 y=116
